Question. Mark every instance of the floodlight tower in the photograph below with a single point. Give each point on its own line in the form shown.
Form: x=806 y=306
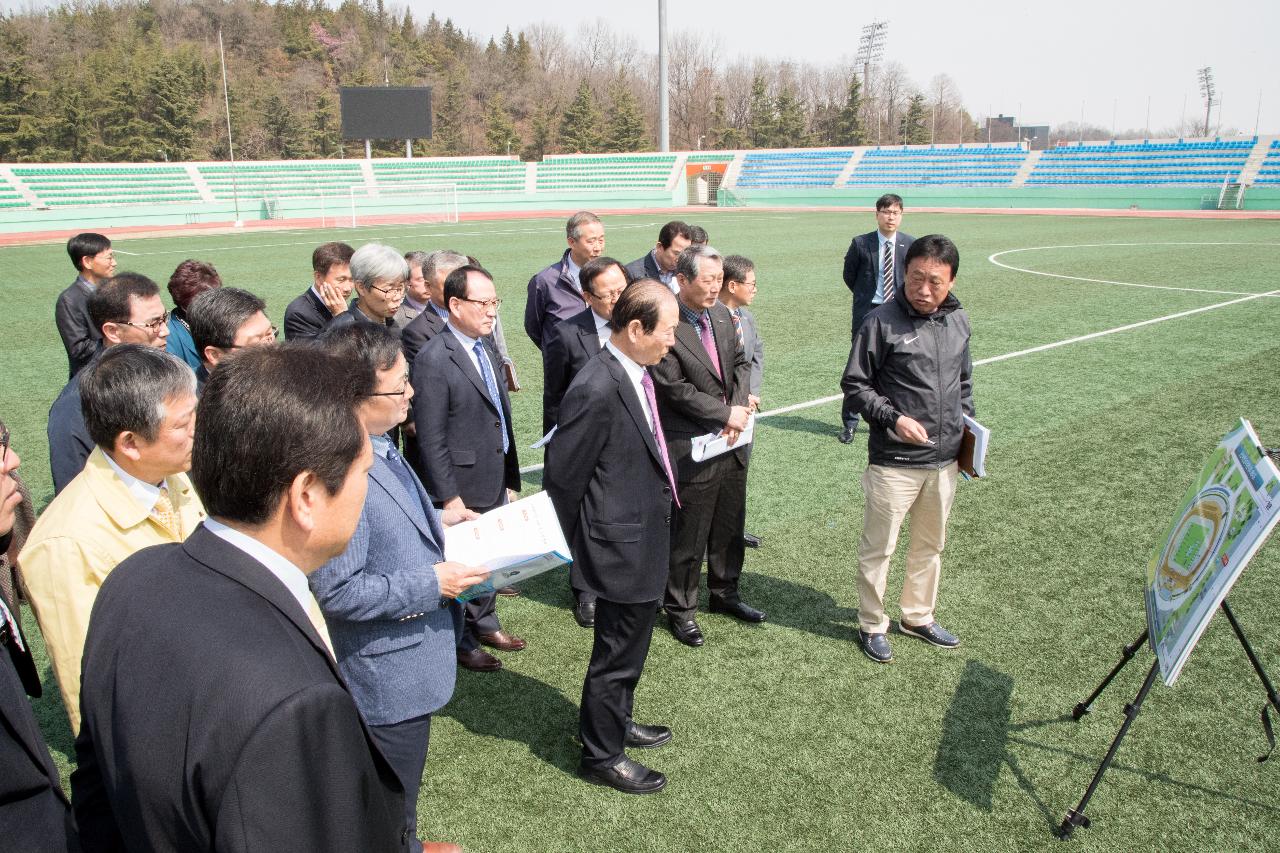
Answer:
x=870 y=52
x=664 y=107
x=1208 y=92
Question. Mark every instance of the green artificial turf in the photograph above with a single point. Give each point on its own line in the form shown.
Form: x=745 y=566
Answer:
x=786 y=737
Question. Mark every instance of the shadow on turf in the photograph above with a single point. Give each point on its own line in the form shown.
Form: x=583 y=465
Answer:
x=800 y=423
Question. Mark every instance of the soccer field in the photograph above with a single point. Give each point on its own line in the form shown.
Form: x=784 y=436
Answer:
x=1110 y=356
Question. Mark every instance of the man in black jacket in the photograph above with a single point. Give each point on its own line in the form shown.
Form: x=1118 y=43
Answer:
x=95 y=262
x=910 y=376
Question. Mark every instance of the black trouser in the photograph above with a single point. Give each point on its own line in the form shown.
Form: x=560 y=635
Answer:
x=622 y=635
x=404 y=745
x=710 y=521
x=848 y=414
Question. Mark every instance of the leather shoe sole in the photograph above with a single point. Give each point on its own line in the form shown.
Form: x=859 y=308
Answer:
x=502 y=641
x=640 y=736
x=739 y=611
x=627 y=776
x=933 y=634
x=507 y=592
x=478 y=660
x=686 y=631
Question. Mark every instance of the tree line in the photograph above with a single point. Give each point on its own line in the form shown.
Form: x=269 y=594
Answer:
x=140 y=80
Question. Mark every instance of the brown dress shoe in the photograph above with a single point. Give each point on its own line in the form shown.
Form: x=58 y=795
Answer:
x=440 y=847
x=478 y=660
x=503 y=641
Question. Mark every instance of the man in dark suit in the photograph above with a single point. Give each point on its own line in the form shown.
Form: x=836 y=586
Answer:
x=574 y=343
x=34 y=813
x=874 y=268
x=306 y=316
x=611 y=480
x=125 y=309
x=95 y=262
x=388 y=598
x=465 y=437
x=214 y=716
x=703 y=387
x=660 y=263
x=555 y=293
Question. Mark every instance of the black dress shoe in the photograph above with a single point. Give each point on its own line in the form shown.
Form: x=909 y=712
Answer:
x=507 y=591
x=630 y=777
x=738 y=610
x=584 y=612
x=932 y=633
x=641 y=736
x=846 y=435
x=686 y=631
x=751 y=540
x=478 y=660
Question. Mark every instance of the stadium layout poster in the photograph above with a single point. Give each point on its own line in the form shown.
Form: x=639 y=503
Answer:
x=1224 y=518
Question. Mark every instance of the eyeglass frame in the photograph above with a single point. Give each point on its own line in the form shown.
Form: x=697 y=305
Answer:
x=153 y=325
x=400 y=393
x=402 y=290
x=496 y=303
x=275 y=336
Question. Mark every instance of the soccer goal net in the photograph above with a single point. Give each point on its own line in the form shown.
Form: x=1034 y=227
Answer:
x=391 y=204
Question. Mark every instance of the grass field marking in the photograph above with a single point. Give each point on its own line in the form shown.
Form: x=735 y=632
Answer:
x=992 y=259
x=795 y=407
x=123 y=252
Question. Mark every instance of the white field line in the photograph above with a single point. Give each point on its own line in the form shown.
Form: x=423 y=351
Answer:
x=992 y=258
x=529 y=469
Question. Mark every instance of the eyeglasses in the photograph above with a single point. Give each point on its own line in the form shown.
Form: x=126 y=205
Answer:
x=269 y=337
x=153 y=324
x=4 y=443
x=389 y=291
x=404 y=387
x=495 y=304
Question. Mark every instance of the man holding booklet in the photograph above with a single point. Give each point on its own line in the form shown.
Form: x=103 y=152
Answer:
x=910 y=377
x=611 y=480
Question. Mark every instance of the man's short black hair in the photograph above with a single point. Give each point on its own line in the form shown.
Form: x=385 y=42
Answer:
x=934 y=247
x=736 y=268
x=698 y=235
x=110 y=303
x=455 y=283
x=125 y=388
x=671 y=231
x=365 y=348
x=266 y=416
x=889 y=200
x=86 y=245
x=215 y=316
x=640 y=301
x=328 y=254
x=594 y=268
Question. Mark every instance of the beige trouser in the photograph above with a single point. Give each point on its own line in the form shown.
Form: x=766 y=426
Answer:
x=891 y=495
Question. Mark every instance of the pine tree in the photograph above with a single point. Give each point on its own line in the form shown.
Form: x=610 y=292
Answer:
x=542 y=134
x=912 y=129
x=625 y=130
x=281 y=128
x=446 y=130
x=724 y=136
x=171 y=107
x=326 y=136
x=762 y=121
x=580 y=126
x=848 y=128
x=789 y=131
x=500 y=130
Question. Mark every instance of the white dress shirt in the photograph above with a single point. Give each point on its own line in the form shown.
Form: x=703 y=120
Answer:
x=635 y=373
x=879 y=297
x=144 y=493
x=285 y=571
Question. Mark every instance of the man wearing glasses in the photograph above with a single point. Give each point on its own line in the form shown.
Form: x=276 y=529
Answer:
x=223 y=321
x=465 y=437
x=125 y=309
x=139 y=404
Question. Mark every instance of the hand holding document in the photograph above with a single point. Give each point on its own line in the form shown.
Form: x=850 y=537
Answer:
x=516 y=542
x=714 y=444
x=973 y=448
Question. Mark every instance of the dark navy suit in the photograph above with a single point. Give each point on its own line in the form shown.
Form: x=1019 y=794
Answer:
x=861 y=267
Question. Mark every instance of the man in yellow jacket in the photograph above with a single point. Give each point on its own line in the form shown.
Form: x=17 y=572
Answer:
x=139 y=406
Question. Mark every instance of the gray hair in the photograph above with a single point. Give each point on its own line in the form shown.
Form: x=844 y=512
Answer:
x=125 y=389
x=582 y=217
x=691 y=259
x=375 y=261
x=416 y=259
x=442 y=260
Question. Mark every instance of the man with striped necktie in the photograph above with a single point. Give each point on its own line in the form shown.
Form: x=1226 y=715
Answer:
x=139 y=406
x=874 y=267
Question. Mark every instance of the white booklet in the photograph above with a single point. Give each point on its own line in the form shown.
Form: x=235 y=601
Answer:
x=973 y=448
x=714 y=444
x=516 y=542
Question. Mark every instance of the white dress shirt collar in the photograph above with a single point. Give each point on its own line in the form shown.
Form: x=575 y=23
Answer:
x=144 y=493
x=573 y=270
x=636 y=374
x=286 y=572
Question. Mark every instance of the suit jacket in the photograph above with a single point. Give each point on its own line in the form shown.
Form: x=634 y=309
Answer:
x=645 y=267
x=753 y=346
x=392 y=632
x=552 y=298
x=691 y=399
x=214 y=718
x=459 y=433
x=862 y=262
x=354 y=315
x=606 y=480
x=305 y=317
x=35 y=814
x=573 y=343
x=421 y=329
x=404 y=314
x=79 y=336
x=69 y=441
x=86 y=531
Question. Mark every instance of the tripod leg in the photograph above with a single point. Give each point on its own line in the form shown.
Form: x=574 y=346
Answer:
x=1272 y=696
x=1075 y=817
x=1126 y=655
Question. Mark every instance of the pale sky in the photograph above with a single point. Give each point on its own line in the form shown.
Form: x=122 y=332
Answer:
x=1038 y=60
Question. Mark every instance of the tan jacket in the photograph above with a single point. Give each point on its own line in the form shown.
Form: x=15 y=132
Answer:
x=88 y=529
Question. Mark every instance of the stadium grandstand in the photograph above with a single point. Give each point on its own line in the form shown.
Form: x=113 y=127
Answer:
x=1152 y=174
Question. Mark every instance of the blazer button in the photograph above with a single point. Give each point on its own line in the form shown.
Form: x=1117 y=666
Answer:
x=497 y=424
x=498 y=449
x=667 y=520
